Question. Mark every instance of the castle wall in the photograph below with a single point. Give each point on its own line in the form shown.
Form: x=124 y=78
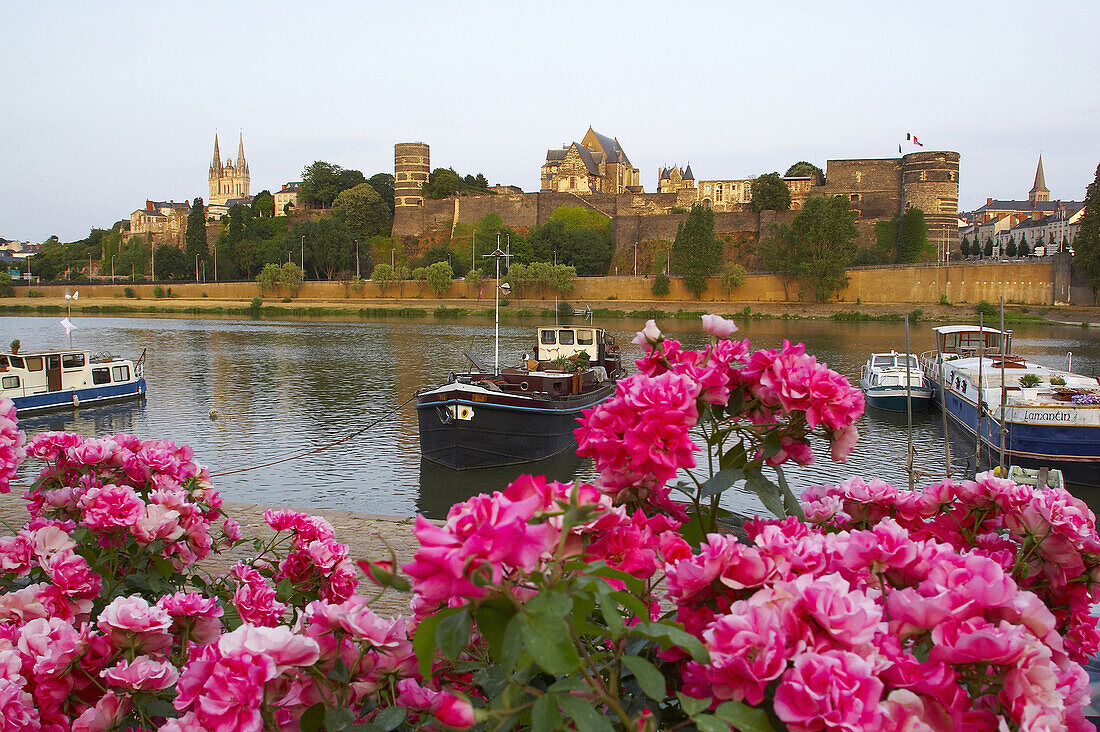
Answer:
x=872 y=186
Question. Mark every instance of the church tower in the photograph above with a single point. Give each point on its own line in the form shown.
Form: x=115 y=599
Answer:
x=1039 y=191
x=230 y=179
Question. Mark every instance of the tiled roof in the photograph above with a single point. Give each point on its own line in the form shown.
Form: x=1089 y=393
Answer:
x=556 y=154
x=1044 y=206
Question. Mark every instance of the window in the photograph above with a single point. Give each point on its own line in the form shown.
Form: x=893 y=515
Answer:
x=72 y=361
x=547 y=338
x=565 y=337
x=3 y=360
x=16 y=361
x=923 y=175
x=121 y=373
x=585 y=337
x=855 y=197
x=34 y=363
x=101 y=376
x=10 y=382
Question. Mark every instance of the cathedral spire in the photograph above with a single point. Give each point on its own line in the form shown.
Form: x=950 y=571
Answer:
x=1039 y=191
x=242 y=166
x=216 y=165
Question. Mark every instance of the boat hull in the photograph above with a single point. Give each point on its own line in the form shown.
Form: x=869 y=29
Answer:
x=1040 y=441
x=460 y=431
x=894 y=399
x=74 y=398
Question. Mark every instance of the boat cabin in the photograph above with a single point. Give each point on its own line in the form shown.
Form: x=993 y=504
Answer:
x=39 y=373
x=889 y=361
x=565 y=341
x=971 y=340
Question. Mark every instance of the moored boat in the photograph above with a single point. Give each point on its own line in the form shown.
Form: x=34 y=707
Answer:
x=888 y=384
x=491 y=417
x=45 y=380
x=1039 y=417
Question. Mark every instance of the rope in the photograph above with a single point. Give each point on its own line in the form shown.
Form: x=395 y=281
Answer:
x=316 y=449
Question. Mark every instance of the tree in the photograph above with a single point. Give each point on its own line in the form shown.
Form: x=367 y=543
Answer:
x=443 y=254
x=329 y=246
x=195 y=237
x=442 y=182
x=363 y=210
x=171 y=263
x=816 y=248
x=322 y=182
x=268 y=278
x=575 y=236
x=1050 y=242
x=964 y=247
x=770 y=193
x=1023 y=248
x=383 y=276
x=802 y=168
x=1010 y=250
x=263 y=204
x=988 y=251
x=696 y=251
x=913 y=244
x=1086 y=244
x=731 y=276
x=290 y=277
x=383 y=183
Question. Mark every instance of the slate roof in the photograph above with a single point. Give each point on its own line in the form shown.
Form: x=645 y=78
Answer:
x=591 y=158
x=612 y=149
x=556 y=154
x=293 y=187
x=1044 y=206
x=688 y=175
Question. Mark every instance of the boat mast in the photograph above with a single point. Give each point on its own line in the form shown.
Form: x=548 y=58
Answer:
x=1004 y=396
x=908 y=406
x=981 y=399
x=497 y=254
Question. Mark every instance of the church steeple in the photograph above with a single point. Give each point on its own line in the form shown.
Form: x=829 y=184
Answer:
x=1039 y=191
x=242 y=166
x=216 y=165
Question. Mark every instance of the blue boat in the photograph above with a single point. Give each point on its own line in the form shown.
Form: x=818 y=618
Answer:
x=68 y=379
x=889 y=385
x=1039 y=417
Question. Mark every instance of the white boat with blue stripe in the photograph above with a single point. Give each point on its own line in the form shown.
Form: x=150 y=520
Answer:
x=67 y=379
x=888 y=384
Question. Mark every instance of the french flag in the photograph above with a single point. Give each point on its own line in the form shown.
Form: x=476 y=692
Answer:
x=913 y=139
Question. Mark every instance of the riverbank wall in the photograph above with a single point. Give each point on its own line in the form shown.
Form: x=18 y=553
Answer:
x=1028 y=282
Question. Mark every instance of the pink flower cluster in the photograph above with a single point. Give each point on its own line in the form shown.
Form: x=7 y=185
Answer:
x=870 y=629
x=317 y=563
x=12 y=440
x=641 y=437
x=1044 y=539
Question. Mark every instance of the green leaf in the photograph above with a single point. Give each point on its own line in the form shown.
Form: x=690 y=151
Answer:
x=157 y=707
x=490 y=678
x=721 y=480
x=710 y=723
x=632 y=603
x=164 y=567
x=512 y=647
x=649 y=677
x=338 y=719
x=569 y=683
x=548 y=641
x=691 y=705
x=390 y=718
x=693 y=530
x=735 y=457
x=492 y=620
x=453 y=634
x=767 y=491
x=312 y=718
x=744 y=717
x=339 y=672
x=424 y=644
x=669 y=635
x=544 y=714
x=609 y=609
x=585 y=717
x=773 y=443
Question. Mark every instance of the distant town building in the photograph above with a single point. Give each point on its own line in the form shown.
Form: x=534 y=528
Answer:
x=674 y=179
x=596 y=164
x=168 y=219
x=287 y=196
x=730 y=194
x=229 y=180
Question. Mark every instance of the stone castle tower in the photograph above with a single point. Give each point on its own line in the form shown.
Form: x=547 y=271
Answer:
x=411 y=167
x=930 y=182
x=1039 y=192
x=228 y=180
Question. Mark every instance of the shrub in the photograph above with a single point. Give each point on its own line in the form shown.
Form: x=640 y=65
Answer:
x=1030 y=380
x=158 y=292
x=6 y=287
x=256 y=304
x=915 y=315
x=34 y=293
x=661 y=284
x=1057 y=381
x=944 y=300
x=128 y=291
x=564 y=309
x=288 y=299
x=986 y=308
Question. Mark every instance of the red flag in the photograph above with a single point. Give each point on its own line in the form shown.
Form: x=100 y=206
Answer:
x=918 y=144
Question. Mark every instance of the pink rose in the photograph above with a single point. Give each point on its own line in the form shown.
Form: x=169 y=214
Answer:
x=141 y=674
x=285 y=648
x=844 y=441
x=718 y=326
x=649 y=335
x=132 y=620
x=455 y=711
x=834 y=690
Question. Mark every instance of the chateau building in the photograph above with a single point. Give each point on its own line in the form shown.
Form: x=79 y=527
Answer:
x=167 y=219
x=732 y=194
x=674 y=179
x=596 y=164
x=287 y=196
x=228 y=180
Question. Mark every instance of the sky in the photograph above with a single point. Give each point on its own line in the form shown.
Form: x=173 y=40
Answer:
x=104 y=105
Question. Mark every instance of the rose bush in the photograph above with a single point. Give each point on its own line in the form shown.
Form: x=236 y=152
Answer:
x=550 y=605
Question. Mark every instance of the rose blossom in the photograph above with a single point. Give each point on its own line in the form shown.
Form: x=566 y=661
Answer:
x=132 y=620
x=141 y=674
x=718 y=326
x=834 y=690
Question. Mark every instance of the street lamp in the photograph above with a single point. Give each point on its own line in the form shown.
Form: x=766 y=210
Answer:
x=635 y=257
x=356 y=259
x=303 y=256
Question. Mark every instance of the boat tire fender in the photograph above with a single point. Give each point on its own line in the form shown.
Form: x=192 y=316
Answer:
x=76 y=400
x=524 y=385
x=452 y=377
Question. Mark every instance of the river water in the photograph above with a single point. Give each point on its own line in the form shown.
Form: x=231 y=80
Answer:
x=244 y=393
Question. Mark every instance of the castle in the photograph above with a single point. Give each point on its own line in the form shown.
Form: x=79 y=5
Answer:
x=876 y=189
x=229 y=181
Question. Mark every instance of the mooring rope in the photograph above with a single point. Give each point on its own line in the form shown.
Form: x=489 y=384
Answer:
x=315 y=450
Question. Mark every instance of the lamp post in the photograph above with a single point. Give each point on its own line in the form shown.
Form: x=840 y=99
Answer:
x=215 y=264
x=303 y=256
x=356 y=259
x=635 y=257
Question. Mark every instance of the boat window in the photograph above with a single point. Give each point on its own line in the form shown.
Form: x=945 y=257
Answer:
x=3 y=360
x=565 y=337
x=34 y=363
x=72 y=361
x=121 y=373
x=585 y=337
x=881 y=361
x=16 y=361
x=101 y=376
x=10 y=382
x=547 y=338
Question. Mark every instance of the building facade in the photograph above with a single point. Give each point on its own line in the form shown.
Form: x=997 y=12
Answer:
x=228 y=180
x=596 y=164
x=287 y=198
x=166 y=220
